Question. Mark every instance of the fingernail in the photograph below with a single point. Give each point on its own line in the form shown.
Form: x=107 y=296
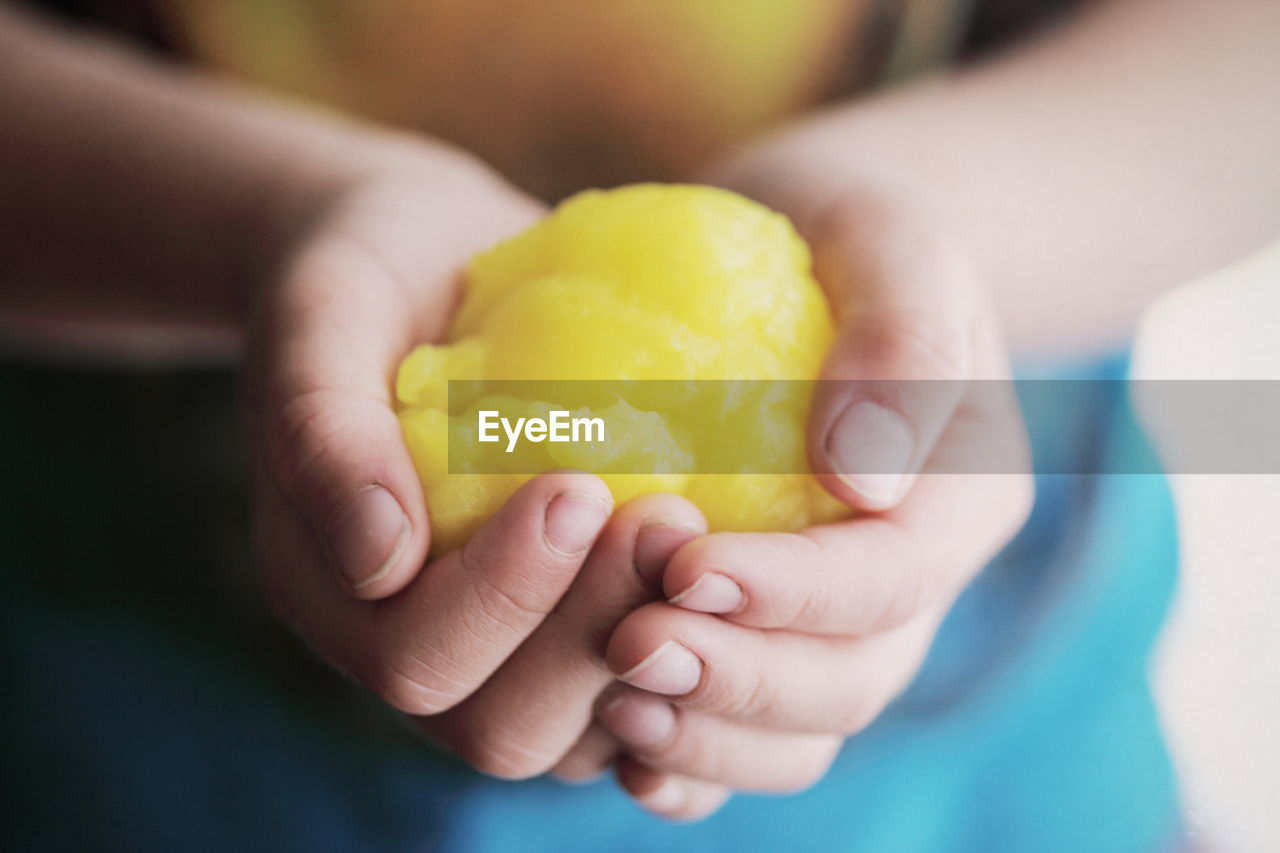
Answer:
x=369 y=536
x=639 y=721
x=869 y=448
x=711 y=593
x=671 y=670
x=656 y=541
x=573 y=521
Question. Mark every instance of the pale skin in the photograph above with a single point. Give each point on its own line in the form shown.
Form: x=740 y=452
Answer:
x=1039 y=199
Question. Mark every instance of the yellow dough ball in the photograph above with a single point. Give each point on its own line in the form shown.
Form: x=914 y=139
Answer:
x=646 y=282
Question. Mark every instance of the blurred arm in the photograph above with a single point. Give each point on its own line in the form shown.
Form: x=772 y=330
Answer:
x=132 y=191
x=1116 y=156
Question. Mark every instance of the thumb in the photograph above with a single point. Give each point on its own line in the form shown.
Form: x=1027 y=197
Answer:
x=321 y=426
x=379 y=276
x=904 y=306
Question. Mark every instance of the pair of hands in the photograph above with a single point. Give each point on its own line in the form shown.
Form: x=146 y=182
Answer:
x=568 y=635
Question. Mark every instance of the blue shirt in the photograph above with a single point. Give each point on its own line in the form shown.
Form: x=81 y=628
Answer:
x=1030 y=727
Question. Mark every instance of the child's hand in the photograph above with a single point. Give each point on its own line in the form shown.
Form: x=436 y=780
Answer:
x=484 y=645
x=817 y=632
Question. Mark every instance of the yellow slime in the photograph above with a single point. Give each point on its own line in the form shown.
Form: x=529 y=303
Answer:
x=648 y=282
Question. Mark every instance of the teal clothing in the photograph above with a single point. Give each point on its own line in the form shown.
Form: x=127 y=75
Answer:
x=151 y=709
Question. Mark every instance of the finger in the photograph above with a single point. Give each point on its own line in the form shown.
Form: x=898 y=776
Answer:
x=317 y=384
x=907 y=314
x=529 y=714
x=429 y=647
x=322 y=424
x=668 y=795
x=859 y=576
x=593 y=754
x=711 y=749
x=798 y=682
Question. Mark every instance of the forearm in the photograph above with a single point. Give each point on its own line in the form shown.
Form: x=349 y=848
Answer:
x=129 y=190
x=1125 y=153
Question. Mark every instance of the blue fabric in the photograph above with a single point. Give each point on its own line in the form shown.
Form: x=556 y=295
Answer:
x=1030 y=728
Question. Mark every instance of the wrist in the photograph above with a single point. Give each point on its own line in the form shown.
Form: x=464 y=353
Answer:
x=826 y=180
x=322 y=180
x=836 y=160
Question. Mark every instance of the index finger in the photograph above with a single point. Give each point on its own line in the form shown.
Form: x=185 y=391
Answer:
x=433 y=644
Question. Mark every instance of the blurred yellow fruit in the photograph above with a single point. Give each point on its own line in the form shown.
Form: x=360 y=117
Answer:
x=647 y=282
x=555 y=94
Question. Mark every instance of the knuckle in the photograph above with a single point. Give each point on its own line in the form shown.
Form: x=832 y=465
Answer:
x=924 y=581
x=814 y=599
x=504 y=600
x=919 y=344
x=753 y=699
x=502 y=756
x=303 y=435
x=888 y=596
x=926 y=576
x=774 y=599
x=409 y=685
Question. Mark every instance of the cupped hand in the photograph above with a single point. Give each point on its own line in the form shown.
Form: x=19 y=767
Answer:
x=496 y=649
x=772 y=648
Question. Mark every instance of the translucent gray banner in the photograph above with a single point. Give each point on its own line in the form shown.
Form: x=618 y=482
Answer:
x=1051 y=426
